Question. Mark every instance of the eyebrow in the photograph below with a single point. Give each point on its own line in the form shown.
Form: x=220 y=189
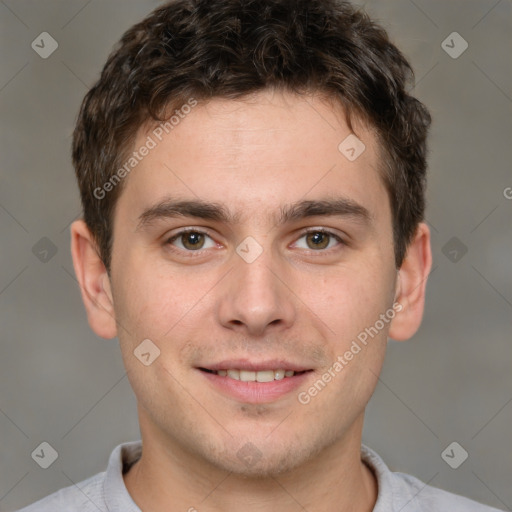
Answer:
x=173 y=208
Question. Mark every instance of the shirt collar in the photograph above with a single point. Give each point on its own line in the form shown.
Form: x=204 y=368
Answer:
x=118 y=499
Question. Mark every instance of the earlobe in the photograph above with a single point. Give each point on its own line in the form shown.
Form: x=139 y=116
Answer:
x=93 y=280
x=411 y=285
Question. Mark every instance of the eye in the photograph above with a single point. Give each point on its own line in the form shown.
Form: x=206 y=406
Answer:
x=194 y=240
x=319 y=239
x=191 y=240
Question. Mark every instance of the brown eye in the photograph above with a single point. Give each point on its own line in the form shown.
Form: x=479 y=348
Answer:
x=317 y=240
x=190 y=240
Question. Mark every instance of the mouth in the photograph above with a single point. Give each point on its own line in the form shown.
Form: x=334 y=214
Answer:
x=248 y=382
x=255 y=375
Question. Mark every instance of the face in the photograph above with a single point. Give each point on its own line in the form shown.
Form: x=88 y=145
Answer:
x=289 y=262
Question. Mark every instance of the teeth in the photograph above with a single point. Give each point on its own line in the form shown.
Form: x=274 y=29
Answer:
x=265 y=376
x=261 y=376
x=279 y=374
x=247 y=376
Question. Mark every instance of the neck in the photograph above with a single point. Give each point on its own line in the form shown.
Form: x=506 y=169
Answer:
x=167 y=479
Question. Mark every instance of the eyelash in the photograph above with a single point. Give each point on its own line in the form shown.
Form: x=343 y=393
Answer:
x=199 y=252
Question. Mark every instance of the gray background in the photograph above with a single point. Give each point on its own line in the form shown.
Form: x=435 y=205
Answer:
x=452 y=382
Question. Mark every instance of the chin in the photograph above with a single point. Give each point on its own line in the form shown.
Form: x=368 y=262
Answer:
x=261 y=458
x=267 y=466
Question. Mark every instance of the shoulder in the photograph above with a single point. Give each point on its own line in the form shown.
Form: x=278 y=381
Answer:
x=102 y=492
x=406 y=493
x=85 y=496
x=426 y=498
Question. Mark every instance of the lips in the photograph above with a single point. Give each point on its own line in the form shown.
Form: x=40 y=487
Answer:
x=251 y=382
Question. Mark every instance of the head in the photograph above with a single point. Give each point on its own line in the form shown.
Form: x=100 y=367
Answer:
x=229 y=117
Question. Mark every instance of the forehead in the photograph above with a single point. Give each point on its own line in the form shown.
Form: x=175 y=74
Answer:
x=256 y=154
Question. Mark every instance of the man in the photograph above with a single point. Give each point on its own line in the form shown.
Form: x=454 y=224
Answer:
x=252 y=175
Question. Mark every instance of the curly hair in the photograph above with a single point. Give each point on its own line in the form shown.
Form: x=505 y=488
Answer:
x=204 y=49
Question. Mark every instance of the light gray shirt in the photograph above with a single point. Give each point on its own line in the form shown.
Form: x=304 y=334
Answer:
x=106 y=491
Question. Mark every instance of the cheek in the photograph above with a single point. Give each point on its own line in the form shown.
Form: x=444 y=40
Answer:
x=350 y=305
x=349 y=298
x=152 y=300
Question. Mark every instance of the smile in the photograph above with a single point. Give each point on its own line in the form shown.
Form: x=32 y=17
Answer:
x=253 y=385
x=254 y=376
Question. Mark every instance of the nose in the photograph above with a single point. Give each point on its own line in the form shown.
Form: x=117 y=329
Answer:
x=257 y=296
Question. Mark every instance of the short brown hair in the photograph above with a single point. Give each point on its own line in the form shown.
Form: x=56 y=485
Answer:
x=204 y=49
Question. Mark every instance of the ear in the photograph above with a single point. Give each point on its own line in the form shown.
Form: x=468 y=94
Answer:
x=93 y=280
x=411 y=285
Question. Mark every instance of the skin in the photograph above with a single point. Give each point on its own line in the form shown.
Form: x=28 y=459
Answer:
x=295 y=302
